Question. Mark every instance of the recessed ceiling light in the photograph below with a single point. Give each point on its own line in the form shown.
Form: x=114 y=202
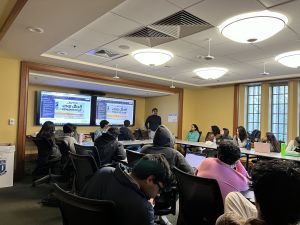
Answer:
x=253 y=27
x=35 y=29
x=289 y=59
x=61 y=53
x=124 y=47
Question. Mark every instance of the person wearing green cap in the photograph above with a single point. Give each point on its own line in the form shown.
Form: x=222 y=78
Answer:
x=131 y=191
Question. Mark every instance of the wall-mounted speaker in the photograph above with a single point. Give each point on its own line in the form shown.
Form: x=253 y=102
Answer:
x=91 y=92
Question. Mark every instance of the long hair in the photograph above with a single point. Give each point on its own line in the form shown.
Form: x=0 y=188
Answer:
x=47 y=132
x=273 y=141
x=196 y=127
x=242 y=133
x=215 y=129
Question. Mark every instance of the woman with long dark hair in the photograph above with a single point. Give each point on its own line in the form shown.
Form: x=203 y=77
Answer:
x=193 y=134
x=47 y=133
x=240 y=139
x=270 y=138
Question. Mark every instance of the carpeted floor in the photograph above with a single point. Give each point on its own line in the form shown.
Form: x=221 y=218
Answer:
x=21 y=204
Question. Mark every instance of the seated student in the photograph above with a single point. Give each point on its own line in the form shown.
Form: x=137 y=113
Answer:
x=60 y=133
x=255 y=136
x=240 y=139
x=163 y=143
x=294 y=145
x=131 y=191
x=217 y=133
x=276 y=185
x=46 y=155
x=68 y=136
x=270 y=138
x=125 y=132
x=210 y=139
x=193 y=134
x=104 y=125
x=110 y=150
x=225 y=134
x=47 y=133
x=226 y=169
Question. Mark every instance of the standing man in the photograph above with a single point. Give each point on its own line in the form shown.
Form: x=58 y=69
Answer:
x=152 y=123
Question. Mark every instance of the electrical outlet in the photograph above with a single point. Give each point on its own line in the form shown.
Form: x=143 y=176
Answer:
x=11 y=121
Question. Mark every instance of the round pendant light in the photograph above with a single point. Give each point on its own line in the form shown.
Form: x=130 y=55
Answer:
x=253 y=27
x=289 y=59
x=152 y=56
x=210 y=72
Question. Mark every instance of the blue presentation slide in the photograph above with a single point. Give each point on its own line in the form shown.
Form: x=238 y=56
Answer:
x=114 y=110
x=61 y=108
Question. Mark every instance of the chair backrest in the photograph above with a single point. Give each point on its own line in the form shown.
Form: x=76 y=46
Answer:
x=200 y=133
x=88 y=150
x=76 y=210
x=44 y=147
x=200 y=199
x=92 y=134
x=133 y=157
x=84 y=167
x=165 y=203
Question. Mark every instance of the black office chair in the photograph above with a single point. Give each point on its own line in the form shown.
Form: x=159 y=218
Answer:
x=46 y=165
x=92 y=134
x=88 y=150
x=76 y=210
x=200 y=199
x=84 y=167
x=133 y=157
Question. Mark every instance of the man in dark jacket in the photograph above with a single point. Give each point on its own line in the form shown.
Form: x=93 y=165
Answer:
x=163 y=143
x=125 y=132
x=152 y=123
x=131 y=191
x=110 y=150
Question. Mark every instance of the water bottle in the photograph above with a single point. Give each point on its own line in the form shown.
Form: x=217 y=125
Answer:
x=248 y=145
x=282 y=149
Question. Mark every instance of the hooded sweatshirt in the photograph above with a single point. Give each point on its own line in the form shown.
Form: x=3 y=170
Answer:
x=163 y=143
x=110 y=150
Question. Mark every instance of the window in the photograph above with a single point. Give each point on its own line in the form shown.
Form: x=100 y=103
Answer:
x=279 y=111
x=253 y=107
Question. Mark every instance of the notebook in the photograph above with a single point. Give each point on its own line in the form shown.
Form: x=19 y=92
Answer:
x=262 y=147
x=194 y=160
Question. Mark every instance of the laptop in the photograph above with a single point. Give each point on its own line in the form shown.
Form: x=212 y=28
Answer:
x=194 y=160
x=262 y=147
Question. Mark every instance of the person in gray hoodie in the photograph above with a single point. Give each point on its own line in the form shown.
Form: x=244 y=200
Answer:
x=163 y=143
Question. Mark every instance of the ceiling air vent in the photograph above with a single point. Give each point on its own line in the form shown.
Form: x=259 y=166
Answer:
x=181 y=24
x=149 y=37
x=178 y=25
x=104 y=53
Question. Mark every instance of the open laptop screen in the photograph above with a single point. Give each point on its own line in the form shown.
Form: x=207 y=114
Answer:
x=194 y=160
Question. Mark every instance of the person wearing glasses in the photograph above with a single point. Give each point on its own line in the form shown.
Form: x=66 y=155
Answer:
x=131 y=191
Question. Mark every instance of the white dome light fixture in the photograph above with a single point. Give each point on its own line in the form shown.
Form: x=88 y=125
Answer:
x=253 y=27
x=289 y=59
x=152 y=56
x=210 y=73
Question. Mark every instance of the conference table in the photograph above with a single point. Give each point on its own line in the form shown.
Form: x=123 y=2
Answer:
x=273 y=155
x=177 y=141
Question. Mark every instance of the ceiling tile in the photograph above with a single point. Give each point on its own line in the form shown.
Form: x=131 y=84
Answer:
x=144 y=11
x=216 y=11
x=113 y=24
x=186 y=3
